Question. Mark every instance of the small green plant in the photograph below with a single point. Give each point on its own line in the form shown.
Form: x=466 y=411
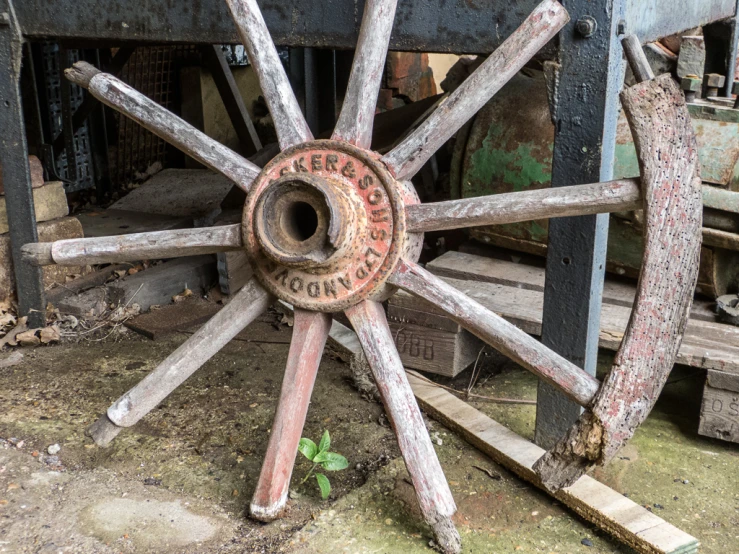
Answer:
x=320 y=456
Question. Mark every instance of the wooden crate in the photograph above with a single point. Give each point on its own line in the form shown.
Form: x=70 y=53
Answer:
x=428 y=341
x=720 y=408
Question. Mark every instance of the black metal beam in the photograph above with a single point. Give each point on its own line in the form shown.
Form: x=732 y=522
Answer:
x=458 y=26
x=588 y=79
x=16 y=172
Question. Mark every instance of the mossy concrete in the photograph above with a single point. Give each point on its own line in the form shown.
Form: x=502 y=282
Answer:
x=200 y=452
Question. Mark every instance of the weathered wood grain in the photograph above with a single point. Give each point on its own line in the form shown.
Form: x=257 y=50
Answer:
x=707 y=345
x=289 y=122
x=310 y=332
x=137 y=246
x=719 y=414
x=513 y=207
x=498 y=333
x=360 y=101
x=466 y=266
x=668 y=158
x=434 y=496
x=430 y=342
x=595 y=502
x=118 y=95
x=251 y=301
x=544 y=23
x=638 y=61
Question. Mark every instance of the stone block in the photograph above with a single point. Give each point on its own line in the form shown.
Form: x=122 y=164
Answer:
x=49 y=201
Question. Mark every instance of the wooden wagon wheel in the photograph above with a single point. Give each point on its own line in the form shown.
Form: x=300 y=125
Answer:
x=330 y=225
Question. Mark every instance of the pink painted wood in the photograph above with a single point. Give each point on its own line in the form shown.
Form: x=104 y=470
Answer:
x=511 y=207
x=670 y=175
x=358 y=111
x=310 y=332
x=434 y=496
x=498 y=333
x=289 y=122
x=539 y=28
x=118 y=95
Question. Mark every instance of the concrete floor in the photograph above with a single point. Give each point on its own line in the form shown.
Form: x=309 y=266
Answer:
x=180 y=480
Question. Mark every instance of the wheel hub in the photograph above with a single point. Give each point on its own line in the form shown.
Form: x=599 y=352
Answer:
x=324 y=225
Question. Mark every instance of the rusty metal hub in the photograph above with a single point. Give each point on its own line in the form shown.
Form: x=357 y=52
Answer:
x=324 y=225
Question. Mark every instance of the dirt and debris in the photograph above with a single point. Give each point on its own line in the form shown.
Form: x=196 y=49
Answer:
x=180 y=481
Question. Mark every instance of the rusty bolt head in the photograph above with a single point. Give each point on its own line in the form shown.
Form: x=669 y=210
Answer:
x=714 y=80
x=586 y=26
x=691 y=83
x=4 y=19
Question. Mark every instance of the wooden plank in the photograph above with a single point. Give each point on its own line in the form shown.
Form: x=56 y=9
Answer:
x=234 y=270
x=723 y=380
x=461 y=265
x=619 y=516
x=539 y=28
x=720 y=414
x=157 y=285
x=106 y=223
x=705 y=344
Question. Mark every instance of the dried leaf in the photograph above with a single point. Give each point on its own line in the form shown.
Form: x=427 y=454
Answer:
x=49 y=334
x=10 y=337
x=180 y=297
x=28 y=338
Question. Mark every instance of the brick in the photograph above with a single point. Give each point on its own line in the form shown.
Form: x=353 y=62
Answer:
x=692 y=58
x=58 y=229
x=49 y=201
x=37 y=174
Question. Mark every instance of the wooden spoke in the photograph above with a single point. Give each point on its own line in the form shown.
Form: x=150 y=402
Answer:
x=434 y=496
x=310 y=332
x=245 y=306
x=358 y=111
x=511 y=207
x=118 y=95
x=136 y=246
x=498 y=333
x=289 y=122
x=543 y=23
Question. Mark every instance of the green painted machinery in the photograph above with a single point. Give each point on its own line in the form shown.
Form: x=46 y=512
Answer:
x=508 y=147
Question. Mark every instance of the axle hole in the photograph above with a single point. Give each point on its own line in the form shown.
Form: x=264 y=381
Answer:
x=300 y=221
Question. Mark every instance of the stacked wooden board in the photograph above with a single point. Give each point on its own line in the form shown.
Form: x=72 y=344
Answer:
x=515 y=291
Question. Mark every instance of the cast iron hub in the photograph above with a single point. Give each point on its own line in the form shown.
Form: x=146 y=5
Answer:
x=324 y=225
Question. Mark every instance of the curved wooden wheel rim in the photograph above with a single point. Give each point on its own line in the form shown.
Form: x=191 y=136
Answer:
x=670 y=191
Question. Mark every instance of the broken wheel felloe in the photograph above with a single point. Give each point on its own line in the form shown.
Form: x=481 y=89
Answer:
x=331 y=226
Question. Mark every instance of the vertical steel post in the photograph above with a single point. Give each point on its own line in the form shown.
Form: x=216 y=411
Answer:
x=589 y=76
x=15 y=169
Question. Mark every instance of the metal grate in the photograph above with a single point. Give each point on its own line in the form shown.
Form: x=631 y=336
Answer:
x=151 y=71
x=50 y=55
